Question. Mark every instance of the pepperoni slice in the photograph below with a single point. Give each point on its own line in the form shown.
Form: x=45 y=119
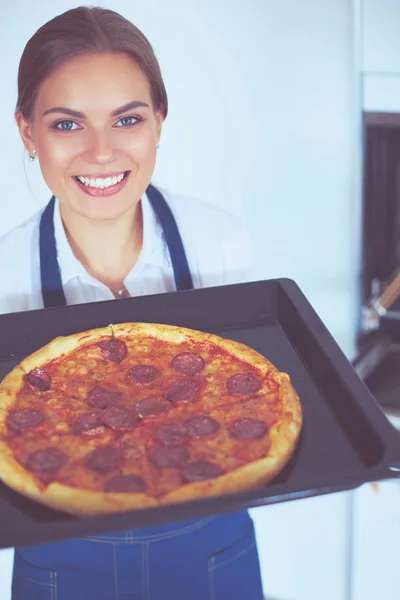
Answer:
x=101 y=397
x=86 y=422
x=143 y=373
x=104 y=459
x=114 y=350
x=125 y=484
x=202 y=426
x=183 y=390
x=24 y=418
x=188 y=363
x=152 y=406
x=243 y=383
x=200 y=470
x=47 y=460
x=39 y=379
x=117 y=417
x=248 y=429
x=170 y=457
x=172 y=433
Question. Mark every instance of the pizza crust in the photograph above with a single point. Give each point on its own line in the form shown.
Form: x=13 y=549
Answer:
x=283 y=434
x=63 y=345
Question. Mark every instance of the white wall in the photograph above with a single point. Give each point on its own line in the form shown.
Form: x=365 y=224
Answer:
x=376 y=534
x=381 y=55
x=263 y=121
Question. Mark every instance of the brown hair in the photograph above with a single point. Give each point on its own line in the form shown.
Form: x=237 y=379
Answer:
x=84 y=30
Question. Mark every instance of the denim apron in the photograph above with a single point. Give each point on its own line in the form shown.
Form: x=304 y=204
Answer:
x=211 y=558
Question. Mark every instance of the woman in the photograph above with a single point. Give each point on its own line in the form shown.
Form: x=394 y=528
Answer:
x=91 y=104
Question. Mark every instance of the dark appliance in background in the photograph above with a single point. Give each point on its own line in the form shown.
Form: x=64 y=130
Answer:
x=378 y=360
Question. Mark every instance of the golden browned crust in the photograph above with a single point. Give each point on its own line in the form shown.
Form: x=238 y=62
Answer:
x=284 y=433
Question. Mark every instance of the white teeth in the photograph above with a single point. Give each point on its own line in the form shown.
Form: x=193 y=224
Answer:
x=100 y=182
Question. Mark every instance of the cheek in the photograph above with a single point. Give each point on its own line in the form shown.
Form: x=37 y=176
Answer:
x=142 y=147
x=56 y=155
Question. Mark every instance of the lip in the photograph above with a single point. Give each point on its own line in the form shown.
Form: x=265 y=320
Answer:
x=98 y=192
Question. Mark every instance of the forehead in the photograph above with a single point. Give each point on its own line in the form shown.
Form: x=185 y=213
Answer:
x=92 y=83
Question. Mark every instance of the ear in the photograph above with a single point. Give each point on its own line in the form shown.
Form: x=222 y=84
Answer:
x=25 y=130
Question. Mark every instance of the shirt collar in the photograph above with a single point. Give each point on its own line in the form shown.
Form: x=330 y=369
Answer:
x=152 y=252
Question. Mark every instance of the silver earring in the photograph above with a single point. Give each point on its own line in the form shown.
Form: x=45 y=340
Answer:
x=158 y=145
x=33 y=152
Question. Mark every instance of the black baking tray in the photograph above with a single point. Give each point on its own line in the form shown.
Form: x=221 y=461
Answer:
x=346 y=439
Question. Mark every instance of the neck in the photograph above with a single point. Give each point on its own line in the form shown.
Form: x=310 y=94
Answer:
x=107 y=249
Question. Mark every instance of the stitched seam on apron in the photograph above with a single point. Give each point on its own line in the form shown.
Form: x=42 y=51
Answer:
x=55 y=584
x=176 y=532
x=143 y=571
x=211 y=585
x=147 y=595
x=115 y=573
x=110 y=541
x=233 y=558
x=50 y=585
x=163 y=536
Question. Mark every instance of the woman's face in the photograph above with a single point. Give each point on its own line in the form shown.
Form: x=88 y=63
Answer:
x=95 y=132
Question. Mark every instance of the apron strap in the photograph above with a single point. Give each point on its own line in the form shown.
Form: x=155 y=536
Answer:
x=52 y=290
x=180 y=266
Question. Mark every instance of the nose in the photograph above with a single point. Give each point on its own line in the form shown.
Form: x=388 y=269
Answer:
x=100 y=148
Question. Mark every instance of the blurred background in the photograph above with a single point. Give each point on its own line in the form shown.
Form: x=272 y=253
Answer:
x=271 y=104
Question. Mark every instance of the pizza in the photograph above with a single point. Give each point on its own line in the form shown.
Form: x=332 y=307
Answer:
x=139 y=415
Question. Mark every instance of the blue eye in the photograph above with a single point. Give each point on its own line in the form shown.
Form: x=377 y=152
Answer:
x=65 y=125
x=128 y=121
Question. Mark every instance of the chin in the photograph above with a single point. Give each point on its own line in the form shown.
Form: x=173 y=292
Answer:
x=107 y=209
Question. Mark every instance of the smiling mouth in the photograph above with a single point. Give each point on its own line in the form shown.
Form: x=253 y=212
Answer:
x=101 y=183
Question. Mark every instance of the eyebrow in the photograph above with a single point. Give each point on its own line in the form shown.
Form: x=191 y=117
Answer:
x=80 y=115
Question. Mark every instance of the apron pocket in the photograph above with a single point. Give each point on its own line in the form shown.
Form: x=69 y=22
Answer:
x=33 y=583
x=234 y=572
